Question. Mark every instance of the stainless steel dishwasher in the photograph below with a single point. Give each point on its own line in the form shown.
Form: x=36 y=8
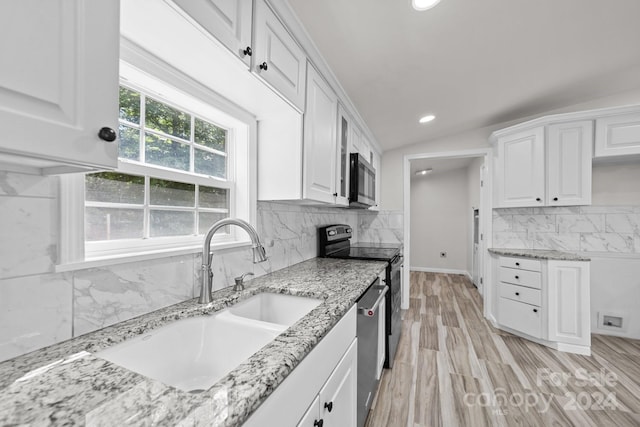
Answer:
x=367 y=332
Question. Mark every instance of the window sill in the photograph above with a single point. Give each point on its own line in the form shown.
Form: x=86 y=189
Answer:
x=144 y=256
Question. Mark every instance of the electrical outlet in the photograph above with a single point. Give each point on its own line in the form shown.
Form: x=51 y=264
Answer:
x=443 y=254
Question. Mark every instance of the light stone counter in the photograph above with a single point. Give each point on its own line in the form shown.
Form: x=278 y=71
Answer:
x=65 y=384
x=540 y=254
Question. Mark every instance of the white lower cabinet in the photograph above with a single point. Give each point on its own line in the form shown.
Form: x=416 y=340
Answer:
x=322 y=387
x=335 y=405
x=545 y=300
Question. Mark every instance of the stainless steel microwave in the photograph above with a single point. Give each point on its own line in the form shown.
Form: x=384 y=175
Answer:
x=362 y=183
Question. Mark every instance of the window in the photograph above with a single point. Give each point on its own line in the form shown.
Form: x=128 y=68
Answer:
x=184 y=163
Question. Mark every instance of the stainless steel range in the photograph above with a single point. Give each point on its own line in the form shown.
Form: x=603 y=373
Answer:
x=335 y=242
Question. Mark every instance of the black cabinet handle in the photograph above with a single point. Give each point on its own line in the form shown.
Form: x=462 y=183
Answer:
x=335 y=194
x=517 y=293
x=248 y=51
x=535 y=310
x=555 y=199
x=517 y=264
x=538 y=199
x=107 y=134
x=318 y=423
x=328 y=406
x=517 y=277
x=264 y=67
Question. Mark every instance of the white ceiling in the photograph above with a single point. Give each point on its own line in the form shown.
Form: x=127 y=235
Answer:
x=438 y=165
x=472 y=63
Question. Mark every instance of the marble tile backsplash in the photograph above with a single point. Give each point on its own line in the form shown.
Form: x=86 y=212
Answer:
x=39 y=307
x=574 y=228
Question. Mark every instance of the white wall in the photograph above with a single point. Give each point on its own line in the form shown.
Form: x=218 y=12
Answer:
x=440 y=220
x=391 y=184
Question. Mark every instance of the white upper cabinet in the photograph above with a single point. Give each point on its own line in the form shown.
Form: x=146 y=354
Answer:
x=320 y=157
x=569 y=153
x=229 y=21
x=618 y=135
x=277 y=57
x=343 y=160
x=59 y=84
x=520 y=167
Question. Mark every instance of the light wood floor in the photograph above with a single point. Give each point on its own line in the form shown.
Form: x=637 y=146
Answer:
x=453 y=369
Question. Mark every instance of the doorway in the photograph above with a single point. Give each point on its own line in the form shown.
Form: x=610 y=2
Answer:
x=459 y=216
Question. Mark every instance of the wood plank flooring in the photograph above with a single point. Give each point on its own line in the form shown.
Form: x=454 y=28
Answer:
x=454 y=369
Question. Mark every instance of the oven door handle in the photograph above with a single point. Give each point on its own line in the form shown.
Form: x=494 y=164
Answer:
x=370 y=312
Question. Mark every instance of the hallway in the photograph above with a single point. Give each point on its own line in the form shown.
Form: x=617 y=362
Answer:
x=454 y=369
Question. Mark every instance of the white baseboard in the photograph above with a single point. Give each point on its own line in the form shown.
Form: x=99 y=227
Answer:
x=441 y=270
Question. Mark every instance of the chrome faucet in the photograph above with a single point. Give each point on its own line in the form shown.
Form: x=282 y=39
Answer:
x=259 y=254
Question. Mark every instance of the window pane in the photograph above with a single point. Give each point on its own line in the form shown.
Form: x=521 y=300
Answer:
x=207 y=219
x=211 y=197
x=129 y=146
x=114 y=187
x=166 y=119
x=129 y=105
x=111 y=224
x=171 y=223
x=210 y=135
x=210 y=164
x=166 y=152
x=170 y=193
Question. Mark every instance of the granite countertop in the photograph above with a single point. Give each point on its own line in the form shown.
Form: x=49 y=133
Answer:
x=540 y=254
x=65 y=384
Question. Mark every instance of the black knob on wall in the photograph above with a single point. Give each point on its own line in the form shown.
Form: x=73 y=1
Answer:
x=318 y=423
x=107 y=134
x=264 y=66
x=248 y=51
x=328 y=406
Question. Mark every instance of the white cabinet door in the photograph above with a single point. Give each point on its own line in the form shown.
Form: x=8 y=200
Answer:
x=569 y=157
x=356 y=139
x=377 y=167
x=382 y=335
x=343 y=160
x=229 y=21
x=338 y=396
x=59 y=80
x=312 y=417
x=520 y=169
x=277 y=57
x=618 y=135
x=319 y=139
x=568 y=302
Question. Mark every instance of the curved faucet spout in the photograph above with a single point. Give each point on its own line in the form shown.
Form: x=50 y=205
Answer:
x=259 y=254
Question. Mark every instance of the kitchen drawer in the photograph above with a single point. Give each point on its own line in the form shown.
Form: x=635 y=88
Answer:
x=532 y=279
x=521 y=317
x=521 y=293
x=521 y=263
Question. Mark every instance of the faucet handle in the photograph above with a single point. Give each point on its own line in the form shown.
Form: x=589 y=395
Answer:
x=239 y=286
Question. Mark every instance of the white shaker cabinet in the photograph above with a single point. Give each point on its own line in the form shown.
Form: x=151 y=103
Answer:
x=277 y=57
x=228 y=21
x=343 y=160
x=618 y=135
x=569 y=153
x=520 y=167
x=568 y=302
x=319 y=167
x=59 y=84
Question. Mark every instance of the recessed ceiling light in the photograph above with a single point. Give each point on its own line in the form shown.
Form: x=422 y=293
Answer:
x=427 y=119
x=424 y=4
x=424 y=171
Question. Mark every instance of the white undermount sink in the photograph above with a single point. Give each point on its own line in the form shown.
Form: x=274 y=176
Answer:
x=193 y=354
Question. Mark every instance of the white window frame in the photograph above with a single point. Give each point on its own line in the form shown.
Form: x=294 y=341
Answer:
x=146 y=73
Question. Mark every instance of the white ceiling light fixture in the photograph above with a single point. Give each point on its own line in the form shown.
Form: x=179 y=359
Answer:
x=424 y=172
x=421 y=5
x=427 y=118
